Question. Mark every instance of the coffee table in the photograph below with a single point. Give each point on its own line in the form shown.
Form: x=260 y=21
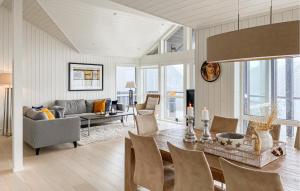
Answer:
x=90 y=118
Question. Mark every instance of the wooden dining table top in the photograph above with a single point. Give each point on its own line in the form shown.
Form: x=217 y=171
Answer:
x=287 y=166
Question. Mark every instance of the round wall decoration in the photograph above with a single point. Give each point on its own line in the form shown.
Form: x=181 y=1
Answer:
x=210 y=71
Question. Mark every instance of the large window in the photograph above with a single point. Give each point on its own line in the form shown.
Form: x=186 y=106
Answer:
x=124 y=74
x=174 y=103
x=273 y=81
x=151 y=80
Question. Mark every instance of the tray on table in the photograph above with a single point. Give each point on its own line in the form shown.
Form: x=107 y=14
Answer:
x=245 y=154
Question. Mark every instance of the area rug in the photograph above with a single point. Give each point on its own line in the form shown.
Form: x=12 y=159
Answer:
x=114 y=130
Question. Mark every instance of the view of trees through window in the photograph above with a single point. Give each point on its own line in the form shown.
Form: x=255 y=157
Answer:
x=273 y=81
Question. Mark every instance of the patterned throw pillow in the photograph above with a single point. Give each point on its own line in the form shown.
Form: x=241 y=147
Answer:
x=99 y=106
x=50 y=116
x=151 y=103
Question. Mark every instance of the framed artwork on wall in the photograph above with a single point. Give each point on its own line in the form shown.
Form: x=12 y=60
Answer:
x=85 y=77
x=210 y=72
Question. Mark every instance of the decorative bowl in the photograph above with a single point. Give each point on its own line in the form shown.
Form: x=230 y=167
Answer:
x=230 y=140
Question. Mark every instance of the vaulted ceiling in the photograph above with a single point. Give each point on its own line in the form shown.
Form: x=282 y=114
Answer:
x=99 y=27
x=35 y=14
x=106 y=28
x=202 y=13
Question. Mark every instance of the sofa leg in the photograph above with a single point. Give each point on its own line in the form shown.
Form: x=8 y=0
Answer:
x=37 y=151
x=75 y=144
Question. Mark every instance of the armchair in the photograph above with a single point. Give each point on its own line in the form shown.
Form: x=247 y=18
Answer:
x=142 y=108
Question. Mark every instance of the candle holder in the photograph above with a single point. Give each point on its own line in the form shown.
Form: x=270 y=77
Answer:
x=206 y=134
x=190 y=135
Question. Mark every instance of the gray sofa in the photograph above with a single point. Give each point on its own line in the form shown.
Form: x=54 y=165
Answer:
x=81 y=107
x=43 y=133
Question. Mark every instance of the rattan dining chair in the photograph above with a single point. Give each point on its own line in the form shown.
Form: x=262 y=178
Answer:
x=192 y=172
x=146 y=124
x=243 y=179
x=222 y=124
x=149 y=170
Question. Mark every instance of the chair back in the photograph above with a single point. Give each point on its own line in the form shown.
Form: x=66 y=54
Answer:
x=153 y=96
x=149 y=171
x=192 y=172
x=146 y=124
x=240 y=178
x=275 y=132
x=222 y=124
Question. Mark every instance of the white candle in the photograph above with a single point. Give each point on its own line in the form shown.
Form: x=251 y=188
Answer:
x=190 y=111
x=205 y=114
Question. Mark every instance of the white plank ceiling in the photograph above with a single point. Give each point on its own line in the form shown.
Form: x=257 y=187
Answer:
x=203 y=13
x=35 y=14
x=106 y=28
x=98 y=27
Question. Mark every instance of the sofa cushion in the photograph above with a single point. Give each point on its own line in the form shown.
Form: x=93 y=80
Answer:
x=36 y=115
x=48 y=113
x=59 y=111
x=72 y=106
x=99 y=106
x=79 y=115
x=89 y=106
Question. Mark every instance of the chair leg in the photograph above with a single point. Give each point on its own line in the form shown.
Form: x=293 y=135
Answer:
x=37 y=151
x=75 y=144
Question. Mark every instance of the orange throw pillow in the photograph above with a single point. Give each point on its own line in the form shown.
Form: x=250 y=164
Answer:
x=50 y=116
x=99 y=106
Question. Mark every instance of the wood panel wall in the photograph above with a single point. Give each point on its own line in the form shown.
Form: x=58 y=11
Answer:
x=222 y=96
x=46 y=66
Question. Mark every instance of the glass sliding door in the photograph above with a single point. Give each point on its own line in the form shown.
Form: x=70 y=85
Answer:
x=124 y=74
x=174 y=92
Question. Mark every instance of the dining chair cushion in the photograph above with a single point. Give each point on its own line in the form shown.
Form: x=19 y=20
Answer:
x=191 y=170
x=146 y=124
x=244 y=179
x=151 y=103
x=222 y=124
x=149 y=170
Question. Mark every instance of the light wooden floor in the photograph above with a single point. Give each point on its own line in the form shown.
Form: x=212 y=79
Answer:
x=97 y=166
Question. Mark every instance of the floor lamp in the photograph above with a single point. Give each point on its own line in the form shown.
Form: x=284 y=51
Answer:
x=5 y=81
x=131 y=85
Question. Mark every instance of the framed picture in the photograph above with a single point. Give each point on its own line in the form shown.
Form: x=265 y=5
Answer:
x=85 y=77
x=210 y=72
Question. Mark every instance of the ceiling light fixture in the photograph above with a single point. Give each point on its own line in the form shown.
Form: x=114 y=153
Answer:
x=261 y=42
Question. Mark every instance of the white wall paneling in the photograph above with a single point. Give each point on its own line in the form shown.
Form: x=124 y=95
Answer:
x=17 y=82
x=46 y=66
x=222 y=95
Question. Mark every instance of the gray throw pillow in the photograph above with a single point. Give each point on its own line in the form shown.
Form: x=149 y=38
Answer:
x=35 y=115
x=59 y=111
x=89 y=106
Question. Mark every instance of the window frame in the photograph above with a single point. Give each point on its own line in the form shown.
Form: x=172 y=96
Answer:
x=272 y=89
x=135 y=78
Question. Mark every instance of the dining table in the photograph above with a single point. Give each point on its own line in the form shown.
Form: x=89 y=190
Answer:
x=287 y=166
